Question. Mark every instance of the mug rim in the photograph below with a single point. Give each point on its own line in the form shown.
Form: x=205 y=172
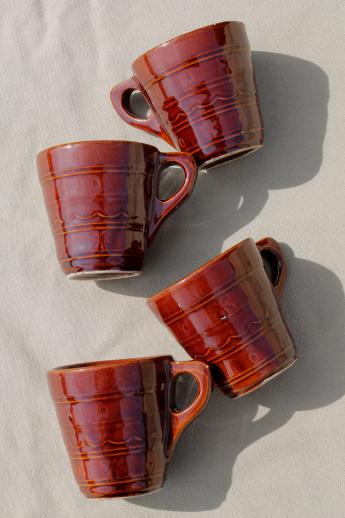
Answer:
x=96 y=365
x=195 y=272
x=46 y=150
x=185 y=35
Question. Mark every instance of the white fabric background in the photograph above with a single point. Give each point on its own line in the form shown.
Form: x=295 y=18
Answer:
x=279 y=452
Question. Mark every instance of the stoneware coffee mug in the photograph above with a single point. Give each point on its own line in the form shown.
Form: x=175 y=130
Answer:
x=103 y=204
x=227 y=313
x=119 y=423
x=202 y=93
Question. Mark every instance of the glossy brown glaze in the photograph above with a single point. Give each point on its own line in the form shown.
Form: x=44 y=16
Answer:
x=202 y=93
x=101 y=197
x=227 y=313
x=118 y=423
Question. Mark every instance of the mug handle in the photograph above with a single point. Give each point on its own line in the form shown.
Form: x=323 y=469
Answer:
x=151 y=124
x=162 y=208
x=270 y=249
x=179 y=420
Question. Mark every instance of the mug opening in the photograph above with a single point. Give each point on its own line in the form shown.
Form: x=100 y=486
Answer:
x=92 y=142
x=186 y=35
x=105 y=363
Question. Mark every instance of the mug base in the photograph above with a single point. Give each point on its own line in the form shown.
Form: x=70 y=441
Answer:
x=229 y=157
x=257 y=385
x=103 y=275
x=126 y=493
x=145 y=492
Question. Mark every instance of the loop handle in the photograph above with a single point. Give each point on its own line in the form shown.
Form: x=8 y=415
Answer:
x=163 y=208
x=271 y=250
x=151 y=124
x=180 y=420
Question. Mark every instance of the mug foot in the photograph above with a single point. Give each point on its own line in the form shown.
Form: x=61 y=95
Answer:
x=123 y=494
x=103 y=275
x=228 y=392
x=231 y=156
x=129 y=490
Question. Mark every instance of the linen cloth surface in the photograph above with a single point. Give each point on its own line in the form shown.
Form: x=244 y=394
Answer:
x=280 y=451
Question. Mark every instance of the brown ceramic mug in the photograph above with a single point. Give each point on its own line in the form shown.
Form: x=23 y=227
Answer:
x=103 y=206
x=227 y=313
x=119 y=423
x=202 y=93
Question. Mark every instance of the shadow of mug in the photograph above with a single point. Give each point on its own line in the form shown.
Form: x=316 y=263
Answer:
x=293 y=95
x=201 y=473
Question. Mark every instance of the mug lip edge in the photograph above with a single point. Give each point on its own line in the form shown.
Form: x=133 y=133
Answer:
x=154 y=298
x=100 y=364
x=184 y=35
x=48 y=149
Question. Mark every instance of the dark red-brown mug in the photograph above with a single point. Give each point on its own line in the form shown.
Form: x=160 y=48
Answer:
x=202 y=93
x=119 y=422
x=227 y=313
x=103 y=204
